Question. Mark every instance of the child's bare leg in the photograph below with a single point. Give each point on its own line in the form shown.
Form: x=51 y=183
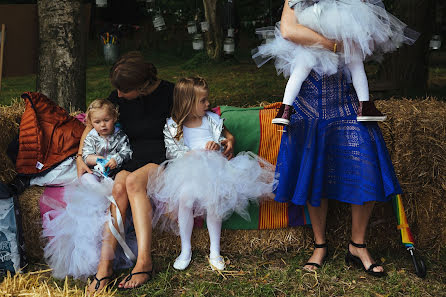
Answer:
x=214 y=229
x=292 y=89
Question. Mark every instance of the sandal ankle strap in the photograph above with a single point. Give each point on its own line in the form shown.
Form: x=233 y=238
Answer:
x=358 y=245
x=320 y=246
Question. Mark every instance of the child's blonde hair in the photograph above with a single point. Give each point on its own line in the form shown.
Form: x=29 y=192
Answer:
x=100 y=104
x=185 y=100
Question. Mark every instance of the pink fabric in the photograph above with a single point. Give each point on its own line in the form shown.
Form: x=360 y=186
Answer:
x=81 y=117
x=51 y=199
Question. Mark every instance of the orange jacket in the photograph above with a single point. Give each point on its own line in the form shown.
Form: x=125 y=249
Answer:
x=48 y=135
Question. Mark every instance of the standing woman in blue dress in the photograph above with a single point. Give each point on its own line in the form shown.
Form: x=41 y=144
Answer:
x=326 y=153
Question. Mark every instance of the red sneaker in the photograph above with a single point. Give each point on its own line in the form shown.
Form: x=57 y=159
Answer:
x=283 y=115
x=367 y=112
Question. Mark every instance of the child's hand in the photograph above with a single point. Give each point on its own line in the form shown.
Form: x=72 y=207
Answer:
x=212 y=146
x=111 y=164
x=229 y=147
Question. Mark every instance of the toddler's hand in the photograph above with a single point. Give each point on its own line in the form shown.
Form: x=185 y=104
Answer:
x=111 y=164
x=229 y=148
x=212 y=146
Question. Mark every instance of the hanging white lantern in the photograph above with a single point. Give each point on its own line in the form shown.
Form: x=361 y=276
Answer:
x=197 y=42
x=204 y=26
x=158 y=22
x=229 y=46
x=231 y=32
x=101 y=3
x=435 y=42
x=191 y=27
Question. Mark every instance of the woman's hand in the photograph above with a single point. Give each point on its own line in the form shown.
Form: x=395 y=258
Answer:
x=81 y=167
x=111 y=164
x=212 y=146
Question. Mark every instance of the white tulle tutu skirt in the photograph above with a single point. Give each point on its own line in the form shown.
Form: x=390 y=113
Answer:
x=365 y=29
x=207 y=182
x=74 y=232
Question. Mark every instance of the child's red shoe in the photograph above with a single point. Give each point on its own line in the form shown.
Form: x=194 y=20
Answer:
x=367 y=112
x=283 y=115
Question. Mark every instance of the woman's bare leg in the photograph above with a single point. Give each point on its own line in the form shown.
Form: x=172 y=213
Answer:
x=136 y=185
x=360 y=219
x=105 y=266
x=318 y=216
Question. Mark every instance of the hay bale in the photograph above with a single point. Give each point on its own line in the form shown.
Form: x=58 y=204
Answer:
x=417 y=146
x=9 y=127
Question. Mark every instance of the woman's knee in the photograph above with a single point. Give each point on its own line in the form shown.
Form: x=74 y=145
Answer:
x=135 y=183
x=119 y=191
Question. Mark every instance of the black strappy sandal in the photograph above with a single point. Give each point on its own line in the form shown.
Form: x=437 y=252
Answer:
x=98 y=282
x=350 y=258
x=129 y=277
x=318 y=265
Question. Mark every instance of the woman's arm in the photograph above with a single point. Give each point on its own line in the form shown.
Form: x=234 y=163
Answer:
x=228 y=144
x=297 y=33
x=80 y=164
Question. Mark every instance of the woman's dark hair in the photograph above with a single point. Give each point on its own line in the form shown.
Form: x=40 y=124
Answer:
x=131 y=72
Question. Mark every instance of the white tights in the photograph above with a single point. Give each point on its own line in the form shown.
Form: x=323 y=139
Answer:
x=300 y=73
x=186 y=224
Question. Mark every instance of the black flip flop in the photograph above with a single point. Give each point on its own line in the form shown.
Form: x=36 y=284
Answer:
x=98 y=281
x=129 y=277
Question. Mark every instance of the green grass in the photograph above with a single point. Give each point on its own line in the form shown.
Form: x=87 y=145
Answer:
x=281 y=274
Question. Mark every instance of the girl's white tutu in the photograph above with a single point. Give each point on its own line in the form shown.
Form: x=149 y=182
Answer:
x=365 y=29
x=75 y=231
x=208 y=182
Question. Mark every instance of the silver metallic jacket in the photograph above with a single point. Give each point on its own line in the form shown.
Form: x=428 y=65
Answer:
x=177 y=148
x=116 y=146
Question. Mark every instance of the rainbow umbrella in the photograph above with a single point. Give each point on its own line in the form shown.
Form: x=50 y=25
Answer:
x=406 y=235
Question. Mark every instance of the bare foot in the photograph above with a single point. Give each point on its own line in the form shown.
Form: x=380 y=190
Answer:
x=317 y=257
x=365 y=257
x=137 y=279
x=104 y=277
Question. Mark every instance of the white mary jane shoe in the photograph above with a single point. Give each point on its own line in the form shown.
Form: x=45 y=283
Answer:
x=217 y=263
x=181 y=264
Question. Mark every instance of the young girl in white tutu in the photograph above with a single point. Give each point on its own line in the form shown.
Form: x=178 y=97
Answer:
x=359 y=29
x=74 y=231
x=197 y=179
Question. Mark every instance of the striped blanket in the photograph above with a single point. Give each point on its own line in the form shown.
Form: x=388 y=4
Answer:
x=254 y=132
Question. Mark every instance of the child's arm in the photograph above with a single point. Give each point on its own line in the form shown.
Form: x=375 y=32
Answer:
x=228 y=144
x=297 y=33
x=89 y=155
x=174 y=149
x=124 y=154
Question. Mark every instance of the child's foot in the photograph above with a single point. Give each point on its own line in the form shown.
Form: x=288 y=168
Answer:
x=367 y=112
x=182 y=261
x=217 y=263
x=283 y=115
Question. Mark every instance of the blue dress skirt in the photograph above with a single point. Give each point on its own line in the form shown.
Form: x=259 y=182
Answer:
x=326 y=153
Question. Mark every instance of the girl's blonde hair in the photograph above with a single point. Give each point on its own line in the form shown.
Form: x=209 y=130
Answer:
x=185 y=100
x=100 y=104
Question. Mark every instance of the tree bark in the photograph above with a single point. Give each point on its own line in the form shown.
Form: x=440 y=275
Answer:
x=214 y=37
x=61 y=65
x=406 y=70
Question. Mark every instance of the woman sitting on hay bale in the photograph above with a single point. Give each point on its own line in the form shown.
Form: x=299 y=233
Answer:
x=144 y=103
x=326 y=154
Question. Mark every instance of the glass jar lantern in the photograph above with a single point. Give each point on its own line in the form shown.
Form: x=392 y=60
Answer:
x=191 y=27
x=435 y=42
x=204 y=26
x=197 y=42
x=158 y=22
x=101 y=3
x=229 y=46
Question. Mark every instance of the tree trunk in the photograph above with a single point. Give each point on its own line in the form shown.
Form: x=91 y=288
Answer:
x=61 y=66
x=214 y=37
x=406 y=70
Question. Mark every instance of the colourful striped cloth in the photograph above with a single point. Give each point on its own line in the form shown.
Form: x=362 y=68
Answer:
x=254 y=132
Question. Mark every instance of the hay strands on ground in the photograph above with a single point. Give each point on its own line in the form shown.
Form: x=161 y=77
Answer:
x=38 y=283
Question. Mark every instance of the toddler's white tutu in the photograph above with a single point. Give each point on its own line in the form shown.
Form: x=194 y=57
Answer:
x=75 y=231
x=365 y=29
x=208 y=182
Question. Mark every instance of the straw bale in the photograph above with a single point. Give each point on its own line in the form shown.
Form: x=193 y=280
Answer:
x=9 y=126
x=32 y=223
x=415 y=134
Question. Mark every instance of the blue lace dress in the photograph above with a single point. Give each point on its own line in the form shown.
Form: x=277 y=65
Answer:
x=326 y=153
